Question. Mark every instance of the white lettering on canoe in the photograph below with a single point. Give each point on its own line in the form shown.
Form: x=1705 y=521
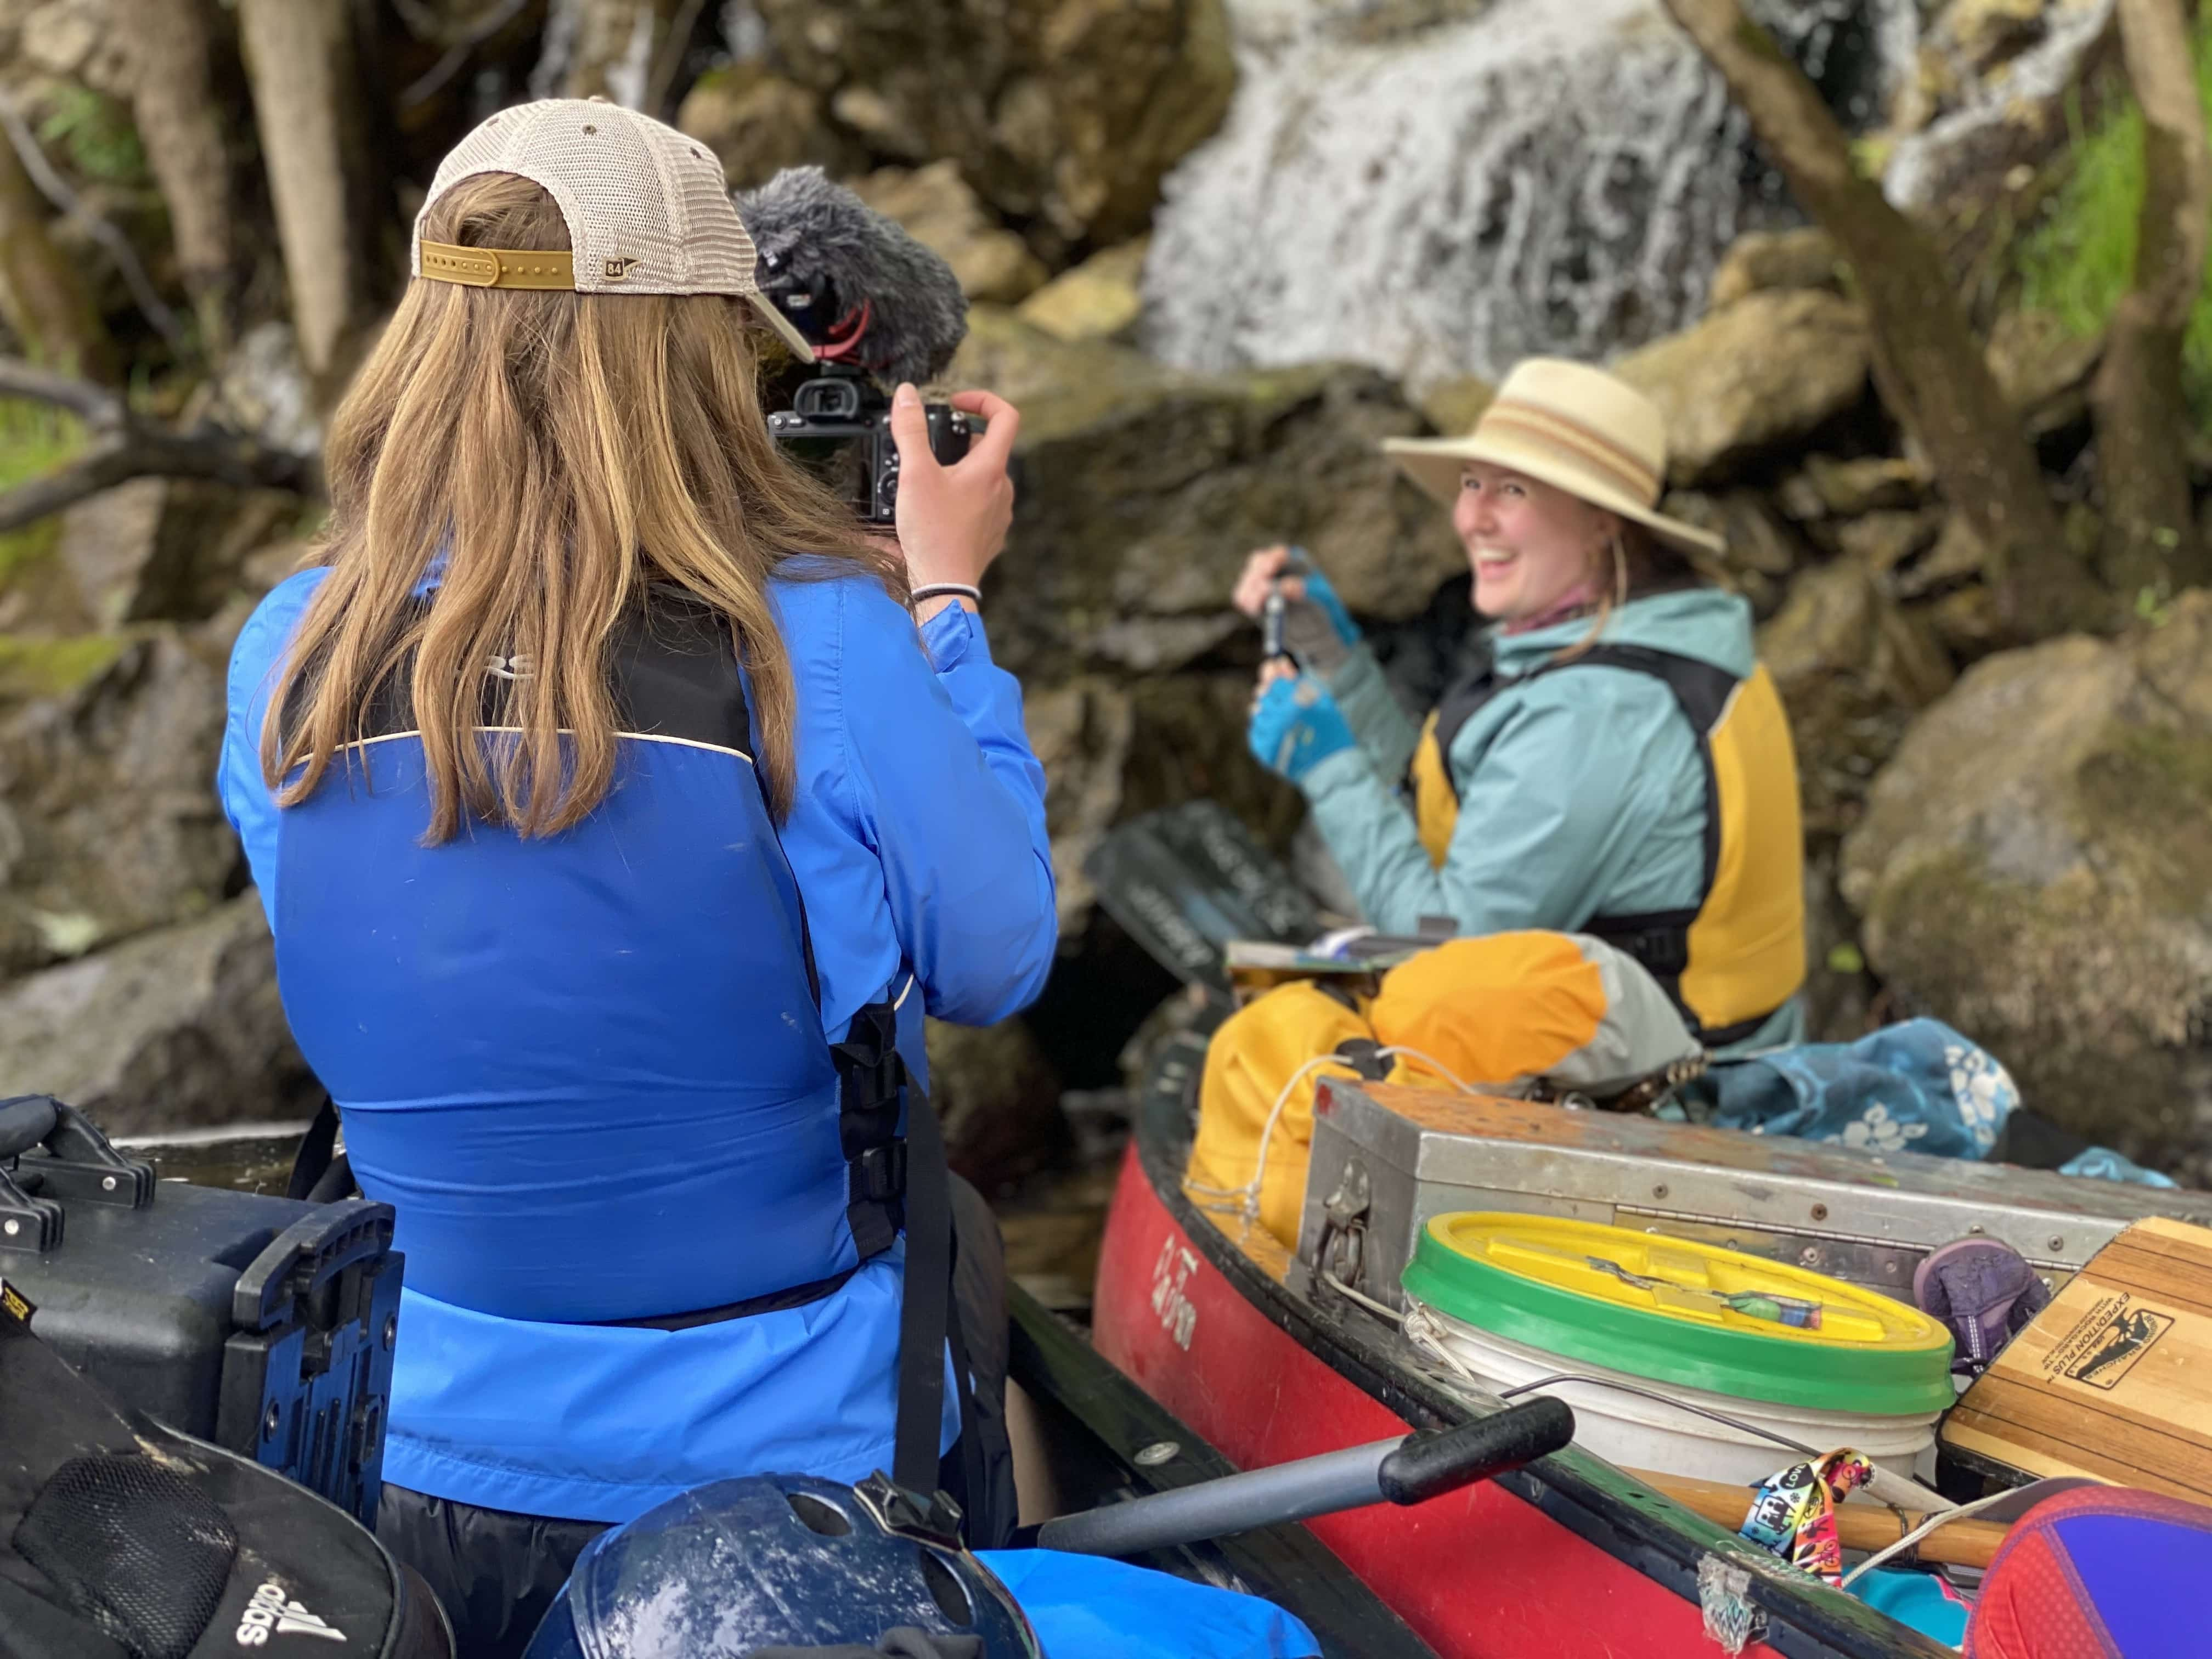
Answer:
x=1178 y=1316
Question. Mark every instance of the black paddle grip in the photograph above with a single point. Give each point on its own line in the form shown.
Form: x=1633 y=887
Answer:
x=1429 y=1465
x=24 y=1122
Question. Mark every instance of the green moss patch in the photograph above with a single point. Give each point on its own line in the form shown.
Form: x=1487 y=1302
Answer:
x=2078 y=260
x=48 y=668
x=35 y=440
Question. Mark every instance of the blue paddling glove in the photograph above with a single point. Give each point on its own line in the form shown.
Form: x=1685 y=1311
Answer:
x=1298 y=726
x=1322 y=597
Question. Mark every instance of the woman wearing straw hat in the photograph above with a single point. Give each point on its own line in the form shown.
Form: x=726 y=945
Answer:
x=1622 y=766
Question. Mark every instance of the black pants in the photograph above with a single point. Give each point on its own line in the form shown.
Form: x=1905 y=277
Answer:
x=497 y=1572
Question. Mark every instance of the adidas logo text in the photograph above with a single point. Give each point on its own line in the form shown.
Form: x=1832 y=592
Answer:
x=269 y=1614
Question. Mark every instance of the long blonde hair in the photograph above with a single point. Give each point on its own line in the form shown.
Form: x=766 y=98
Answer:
x=559 y=451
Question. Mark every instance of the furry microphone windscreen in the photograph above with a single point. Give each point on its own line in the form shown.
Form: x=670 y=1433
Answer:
x=833 y=262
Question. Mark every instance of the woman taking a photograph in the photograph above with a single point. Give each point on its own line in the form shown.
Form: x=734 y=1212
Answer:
x=619 y=810
x=1622 y=766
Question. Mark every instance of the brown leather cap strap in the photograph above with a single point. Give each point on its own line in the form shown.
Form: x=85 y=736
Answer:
x=497 y=267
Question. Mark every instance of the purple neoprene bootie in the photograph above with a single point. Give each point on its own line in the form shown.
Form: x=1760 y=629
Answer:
x=1985 y=1291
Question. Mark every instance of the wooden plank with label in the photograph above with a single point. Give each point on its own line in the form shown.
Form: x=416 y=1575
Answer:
x=2114 y=1378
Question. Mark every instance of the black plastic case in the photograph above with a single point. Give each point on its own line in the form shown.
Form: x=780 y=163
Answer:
x=264 y=1325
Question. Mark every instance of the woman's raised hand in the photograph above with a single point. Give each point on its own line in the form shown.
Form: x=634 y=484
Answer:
x=1260 y=572
x=952 y=520
x=1316 y=627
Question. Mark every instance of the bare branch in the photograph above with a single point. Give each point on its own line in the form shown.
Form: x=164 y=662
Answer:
x=1929 y=367
x=96 y=405
x=426 y=86
x=125 y=447
x=56 y=189
x=2151 y=538
x=146 y=453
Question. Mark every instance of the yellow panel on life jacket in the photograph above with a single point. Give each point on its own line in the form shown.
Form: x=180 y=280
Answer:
x=1436 y=802
x=1747 y=941
x=1748 y=945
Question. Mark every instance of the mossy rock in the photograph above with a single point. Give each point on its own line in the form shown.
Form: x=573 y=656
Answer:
x=34 y=668
x=2034 y=866
x=1143 y=490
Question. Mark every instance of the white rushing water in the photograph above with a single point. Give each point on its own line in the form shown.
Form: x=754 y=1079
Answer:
x=1539 y=176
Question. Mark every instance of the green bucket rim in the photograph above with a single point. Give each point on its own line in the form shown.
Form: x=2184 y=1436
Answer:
x=1828 y=1376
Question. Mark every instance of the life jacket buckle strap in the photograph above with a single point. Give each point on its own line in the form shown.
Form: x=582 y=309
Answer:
x=879 y=1173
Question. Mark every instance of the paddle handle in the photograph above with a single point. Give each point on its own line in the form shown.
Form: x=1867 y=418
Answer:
x=1410 y=1470
x=26 y=1120
x=1868 y=1527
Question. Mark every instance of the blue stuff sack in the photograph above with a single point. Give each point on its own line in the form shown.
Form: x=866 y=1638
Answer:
x=1087 y=1606
x=1919 y=1086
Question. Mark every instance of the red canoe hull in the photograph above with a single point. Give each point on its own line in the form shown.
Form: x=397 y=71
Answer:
x=1480 y=1574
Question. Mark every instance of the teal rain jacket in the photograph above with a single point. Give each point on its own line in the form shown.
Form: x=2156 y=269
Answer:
x=1583 y=795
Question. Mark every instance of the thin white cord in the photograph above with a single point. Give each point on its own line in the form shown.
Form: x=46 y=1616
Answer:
x=1381 y=1310
x=1248 y=1195
x=1921 y=1531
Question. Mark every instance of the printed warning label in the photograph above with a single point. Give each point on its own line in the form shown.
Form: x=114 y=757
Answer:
x=2107 y=1342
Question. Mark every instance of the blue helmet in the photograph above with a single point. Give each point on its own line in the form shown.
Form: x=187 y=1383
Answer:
x=778 y=1562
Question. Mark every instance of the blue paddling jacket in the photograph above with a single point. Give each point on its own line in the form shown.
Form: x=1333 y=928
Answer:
x=649 y=1241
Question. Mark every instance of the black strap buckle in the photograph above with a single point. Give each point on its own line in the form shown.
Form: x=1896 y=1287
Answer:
x=879 y=1173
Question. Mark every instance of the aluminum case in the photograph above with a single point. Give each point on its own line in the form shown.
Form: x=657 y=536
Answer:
x=1386 y=1159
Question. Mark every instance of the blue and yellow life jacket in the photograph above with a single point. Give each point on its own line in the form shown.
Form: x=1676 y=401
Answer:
x=1737 y=955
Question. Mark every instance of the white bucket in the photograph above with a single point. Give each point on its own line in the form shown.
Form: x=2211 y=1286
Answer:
x=1638 y=1432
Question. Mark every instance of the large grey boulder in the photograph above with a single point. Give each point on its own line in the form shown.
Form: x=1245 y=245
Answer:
x=2035 y=866
x=178 y=1028
x=1067 y=113
x=1763 y=372
x=1143 y=490
x=1853 y=671
x=109 y=781
x=938 y=210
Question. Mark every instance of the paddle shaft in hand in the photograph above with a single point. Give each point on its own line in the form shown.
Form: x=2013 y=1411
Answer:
x=1404 y=1471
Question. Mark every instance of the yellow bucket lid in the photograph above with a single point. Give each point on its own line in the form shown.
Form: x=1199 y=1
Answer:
x=1676 y=1310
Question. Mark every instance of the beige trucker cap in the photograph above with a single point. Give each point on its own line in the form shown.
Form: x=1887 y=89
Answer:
x=647 y=207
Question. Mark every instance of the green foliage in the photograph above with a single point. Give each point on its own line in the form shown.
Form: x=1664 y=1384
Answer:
x=35 y=440
x=49 y=668
x=2081 y=258
x=97 y=133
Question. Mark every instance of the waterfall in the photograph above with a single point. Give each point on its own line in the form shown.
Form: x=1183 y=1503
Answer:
x=1534 y=177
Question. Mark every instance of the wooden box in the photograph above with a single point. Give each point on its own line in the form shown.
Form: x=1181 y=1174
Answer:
x=2114 y=1378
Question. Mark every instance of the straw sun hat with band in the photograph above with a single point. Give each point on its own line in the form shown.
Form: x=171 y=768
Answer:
x=1570 y=426
x=647 y=208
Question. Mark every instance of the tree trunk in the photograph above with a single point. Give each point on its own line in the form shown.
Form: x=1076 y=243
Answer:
x=173 y=104
x=1927 y=361
x=2143 y=424
x=617 y=43
x=47 y=299
x=300 y=58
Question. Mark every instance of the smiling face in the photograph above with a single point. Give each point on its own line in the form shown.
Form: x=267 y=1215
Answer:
x=1531 y=544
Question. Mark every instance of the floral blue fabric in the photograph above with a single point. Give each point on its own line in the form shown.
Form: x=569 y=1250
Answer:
x=1915 y=1087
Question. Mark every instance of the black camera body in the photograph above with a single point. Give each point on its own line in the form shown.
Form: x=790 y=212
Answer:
x=839 y=428
x=877 y=308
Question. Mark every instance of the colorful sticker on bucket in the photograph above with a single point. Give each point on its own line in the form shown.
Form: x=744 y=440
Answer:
x=1793 y=1513
x=1775 y=1309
